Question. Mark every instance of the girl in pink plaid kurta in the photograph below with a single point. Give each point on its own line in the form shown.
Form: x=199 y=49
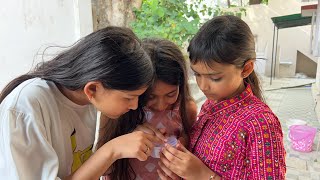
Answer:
x=236 y=135
x=239 y=138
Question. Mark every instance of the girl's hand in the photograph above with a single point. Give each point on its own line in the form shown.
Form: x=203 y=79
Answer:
x=134 y=145
x=165 y=173
x=183 y=163
x=148 y=128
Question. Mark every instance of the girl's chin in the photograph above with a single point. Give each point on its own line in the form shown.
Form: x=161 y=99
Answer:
x=113 y=116
x=210 y=97
x=214 y=99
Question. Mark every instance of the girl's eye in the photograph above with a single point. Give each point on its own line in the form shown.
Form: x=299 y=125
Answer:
x=196 y=74
x=129 y=99
x=216 y=79
x=151 y=97
x=172 y=94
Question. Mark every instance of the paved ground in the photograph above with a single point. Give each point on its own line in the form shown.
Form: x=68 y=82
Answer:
x=290 y=98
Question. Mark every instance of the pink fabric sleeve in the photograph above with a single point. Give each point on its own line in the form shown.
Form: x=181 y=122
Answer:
x=255 y=151
x=265 y=150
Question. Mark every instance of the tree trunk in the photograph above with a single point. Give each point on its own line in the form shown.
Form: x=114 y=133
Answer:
x=113 y=12
x=251 y=2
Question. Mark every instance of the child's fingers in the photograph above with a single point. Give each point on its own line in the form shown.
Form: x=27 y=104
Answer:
x=153 y=138
x=144 y=140
x=144 y=129
x=156 y=131
x=165 y=162
x=163 y=130
x=148 y=146
x=170 y=160
x=142 y=143
x=167 y=172
x=173 y=152
x=141 y=156
x=162 y=175
x=182 y=148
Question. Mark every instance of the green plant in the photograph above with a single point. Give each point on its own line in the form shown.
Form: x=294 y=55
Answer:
x=232 y=10
x=175 y=20
x=170 y=19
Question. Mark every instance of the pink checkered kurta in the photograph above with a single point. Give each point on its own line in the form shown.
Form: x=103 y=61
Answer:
x=239 y=138
x=171 y=121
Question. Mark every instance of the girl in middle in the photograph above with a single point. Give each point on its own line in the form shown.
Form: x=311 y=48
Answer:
x=166 y=109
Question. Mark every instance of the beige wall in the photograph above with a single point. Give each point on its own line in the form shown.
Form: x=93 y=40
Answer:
x=318 y=76
x=305 y=65
x=290 y=40
x=28 y=27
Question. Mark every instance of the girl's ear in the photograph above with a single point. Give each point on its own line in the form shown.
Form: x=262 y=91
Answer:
x=91 y=89
x=247 y=68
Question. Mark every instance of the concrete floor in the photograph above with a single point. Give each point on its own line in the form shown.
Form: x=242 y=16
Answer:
x=292 y=99
x=289 y=98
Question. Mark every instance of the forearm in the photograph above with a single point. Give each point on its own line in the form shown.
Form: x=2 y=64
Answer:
x=96 y=165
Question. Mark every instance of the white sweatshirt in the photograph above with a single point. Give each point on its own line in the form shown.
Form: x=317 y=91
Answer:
x=43 y=135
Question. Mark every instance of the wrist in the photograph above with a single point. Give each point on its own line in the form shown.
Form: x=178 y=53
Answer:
x=110 y=148
x=207 y=174
x=213 y=177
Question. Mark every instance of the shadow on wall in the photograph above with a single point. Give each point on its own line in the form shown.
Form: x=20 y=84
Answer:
x=305 y=65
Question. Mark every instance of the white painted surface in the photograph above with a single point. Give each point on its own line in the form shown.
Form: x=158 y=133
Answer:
x=290 y=39
x=318 y=77
x=29 y=26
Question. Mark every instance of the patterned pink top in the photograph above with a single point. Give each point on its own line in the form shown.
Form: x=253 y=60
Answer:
x=171 y=121
x=239 y=138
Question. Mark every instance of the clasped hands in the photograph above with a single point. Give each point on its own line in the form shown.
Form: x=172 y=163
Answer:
x=175 y=162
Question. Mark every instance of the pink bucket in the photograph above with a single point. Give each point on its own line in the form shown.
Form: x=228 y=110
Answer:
x=302 y=137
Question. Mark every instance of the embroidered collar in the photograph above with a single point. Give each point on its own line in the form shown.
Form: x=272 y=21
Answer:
x=210 y=107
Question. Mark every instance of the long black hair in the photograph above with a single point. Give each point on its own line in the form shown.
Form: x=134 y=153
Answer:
x=112 y=55
x=226 y=40
x=170 y=67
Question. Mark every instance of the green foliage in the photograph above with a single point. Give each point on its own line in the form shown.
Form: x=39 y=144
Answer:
x=174 y=19
x=170 y=19
x=233 y=10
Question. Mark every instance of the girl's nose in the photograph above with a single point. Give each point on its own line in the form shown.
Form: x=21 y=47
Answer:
x=161 y=105
x=133 y=104
x=203 y=84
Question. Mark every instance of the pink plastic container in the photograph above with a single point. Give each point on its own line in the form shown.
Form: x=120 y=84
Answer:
x=302 y=137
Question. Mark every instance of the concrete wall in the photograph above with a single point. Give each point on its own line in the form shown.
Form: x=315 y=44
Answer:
x=316 y=91
x=290 y=40
x=305 y=65
x=28 y=27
